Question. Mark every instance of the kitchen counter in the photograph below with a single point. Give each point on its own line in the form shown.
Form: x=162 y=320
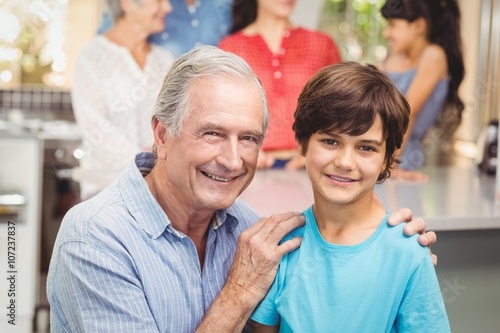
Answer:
x=20 y=176
x=452 y=199
x=28 y=150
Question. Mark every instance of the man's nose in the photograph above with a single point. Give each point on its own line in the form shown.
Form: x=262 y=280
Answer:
x=230 y=154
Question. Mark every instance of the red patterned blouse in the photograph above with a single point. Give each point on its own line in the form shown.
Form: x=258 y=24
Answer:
x=303 y=52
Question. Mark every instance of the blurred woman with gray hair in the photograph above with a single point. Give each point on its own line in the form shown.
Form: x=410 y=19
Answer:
x=116 y=81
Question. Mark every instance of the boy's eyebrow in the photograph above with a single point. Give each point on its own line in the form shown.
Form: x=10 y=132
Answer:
x=365 y=141
x=372 y=142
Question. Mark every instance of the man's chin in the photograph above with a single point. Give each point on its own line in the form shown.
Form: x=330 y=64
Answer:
x=218 y=202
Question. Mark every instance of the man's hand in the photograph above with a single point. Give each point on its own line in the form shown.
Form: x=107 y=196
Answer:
x=258 y=253
x=253 y=271
x=413 y=226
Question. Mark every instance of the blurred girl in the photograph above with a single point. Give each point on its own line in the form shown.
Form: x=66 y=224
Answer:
x=425 y=61
x=284 y=57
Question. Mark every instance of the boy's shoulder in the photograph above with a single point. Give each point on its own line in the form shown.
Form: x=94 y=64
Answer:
x=298 y=232
x=396 y=243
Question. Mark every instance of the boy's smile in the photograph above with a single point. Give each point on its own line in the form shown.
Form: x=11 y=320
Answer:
x=344 y=168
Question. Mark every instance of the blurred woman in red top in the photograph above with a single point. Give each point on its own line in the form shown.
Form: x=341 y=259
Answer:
x=284 y=57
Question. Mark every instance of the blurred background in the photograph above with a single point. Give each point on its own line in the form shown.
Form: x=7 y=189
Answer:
x=40 y=143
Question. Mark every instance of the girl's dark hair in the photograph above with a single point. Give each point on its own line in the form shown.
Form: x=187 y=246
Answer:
x=244 y=13
x=443 y=20
x=347 y=98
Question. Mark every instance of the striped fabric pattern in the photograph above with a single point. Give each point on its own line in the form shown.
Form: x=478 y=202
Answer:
x=119 y=266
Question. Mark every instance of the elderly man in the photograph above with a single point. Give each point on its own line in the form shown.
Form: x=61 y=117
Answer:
x=168 y=247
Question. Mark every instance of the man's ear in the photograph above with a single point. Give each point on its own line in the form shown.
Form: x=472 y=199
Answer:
x=160 y=137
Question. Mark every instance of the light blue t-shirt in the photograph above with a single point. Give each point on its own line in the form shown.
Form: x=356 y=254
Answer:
x=384 y=284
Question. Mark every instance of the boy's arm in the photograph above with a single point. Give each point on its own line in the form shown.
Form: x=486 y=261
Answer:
x=422 y=308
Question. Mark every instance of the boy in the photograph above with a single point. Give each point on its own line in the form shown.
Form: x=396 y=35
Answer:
x=352 y=272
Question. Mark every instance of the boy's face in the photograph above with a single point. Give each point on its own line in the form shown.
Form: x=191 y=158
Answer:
x=344 y=169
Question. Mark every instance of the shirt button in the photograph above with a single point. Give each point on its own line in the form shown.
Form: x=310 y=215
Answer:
x=278 y=75
x=164 y=36
x=286 y=33
x=282 y=51
x=276 y=62
x=195 y=23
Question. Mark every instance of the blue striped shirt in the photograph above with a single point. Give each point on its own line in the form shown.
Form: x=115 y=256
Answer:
x=118 y=265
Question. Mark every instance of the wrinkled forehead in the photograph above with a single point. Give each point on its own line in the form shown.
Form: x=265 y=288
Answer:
x=245 y=94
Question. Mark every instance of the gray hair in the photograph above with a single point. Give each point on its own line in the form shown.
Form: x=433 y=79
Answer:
x=172 y=106
x=115 y=10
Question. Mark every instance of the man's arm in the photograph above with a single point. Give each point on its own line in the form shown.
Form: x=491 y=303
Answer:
x=252 y=273
x=90 y=291
x=414 y=226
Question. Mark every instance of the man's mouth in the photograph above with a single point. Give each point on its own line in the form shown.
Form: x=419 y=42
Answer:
x=214 y=177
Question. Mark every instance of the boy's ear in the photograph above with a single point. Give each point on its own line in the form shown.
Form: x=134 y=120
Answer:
x=301 y=149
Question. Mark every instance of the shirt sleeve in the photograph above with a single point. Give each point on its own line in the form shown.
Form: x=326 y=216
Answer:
x=91 y=291
x=422 y=308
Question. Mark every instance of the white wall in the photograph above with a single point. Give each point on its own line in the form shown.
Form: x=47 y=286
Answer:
x=306 y=13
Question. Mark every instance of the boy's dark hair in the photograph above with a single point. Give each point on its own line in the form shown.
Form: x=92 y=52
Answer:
x=347 y=98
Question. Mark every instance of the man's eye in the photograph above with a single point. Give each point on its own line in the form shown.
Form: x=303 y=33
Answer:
x=250 y=138
x=212 y=136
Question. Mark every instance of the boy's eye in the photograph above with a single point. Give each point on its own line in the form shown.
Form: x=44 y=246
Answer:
x=330 y=142
x=367 y=148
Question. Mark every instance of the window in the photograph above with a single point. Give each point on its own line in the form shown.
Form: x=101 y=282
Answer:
x=356 y=26
x=31 y=42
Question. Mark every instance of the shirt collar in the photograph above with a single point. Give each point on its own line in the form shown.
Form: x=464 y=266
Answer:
x=145 y=209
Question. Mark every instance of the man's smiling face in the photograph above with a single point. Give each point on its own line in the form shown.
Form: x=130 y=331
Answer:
x=215 y=157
